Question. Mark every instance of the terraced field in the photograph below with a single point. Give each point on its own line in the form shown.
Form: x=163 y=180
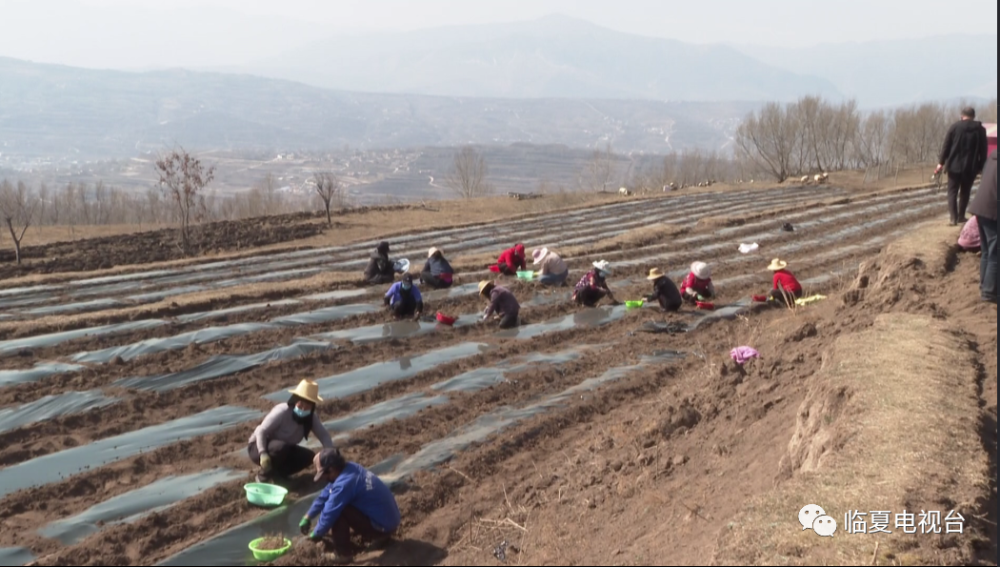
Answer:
x=122 y=439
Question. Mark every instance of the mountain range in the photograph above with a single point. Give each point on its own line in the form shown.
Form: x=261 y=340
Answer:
x=554 y=57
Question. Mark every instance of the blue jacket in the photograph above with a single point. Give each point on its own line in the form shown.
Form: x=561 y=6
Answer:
x=395 y=294
x=362 y=490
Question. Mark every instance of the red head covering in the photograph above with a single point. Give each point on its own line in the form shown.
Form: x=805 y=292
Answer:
x=519 y=250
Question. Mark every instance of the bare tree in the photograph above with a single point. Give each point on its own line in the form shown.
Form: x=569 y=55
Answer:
x=18 y=207
x=601 y=169
x=990 y=114
x=330 y=191
x=468 y=176
x=183 y=178
x=768 y=140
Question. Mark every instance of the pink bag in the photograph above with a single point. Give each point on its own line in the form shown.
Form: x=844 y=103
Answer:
x=969 y=240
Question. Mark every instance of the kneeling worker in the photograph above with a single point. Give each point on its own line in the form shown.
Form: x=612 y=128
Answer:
x=354 y=500
x=698 y=286
x=380 y=268
x=594 y=286
x=404 y=299
x=437 y=272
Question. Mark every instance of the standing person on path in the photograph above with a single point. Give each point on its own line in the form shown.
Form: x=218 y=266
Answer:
x=963 y=158
x=275 y=444
x=985 y=209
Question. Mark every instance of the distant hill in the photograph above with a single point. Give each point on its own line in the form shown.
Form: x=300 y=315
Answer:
x=889 y=73
x=554 y=57
x=54 y=111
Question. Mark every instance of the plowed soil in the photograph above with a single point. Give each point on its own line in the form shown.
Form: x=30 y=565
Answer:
x=648 y=468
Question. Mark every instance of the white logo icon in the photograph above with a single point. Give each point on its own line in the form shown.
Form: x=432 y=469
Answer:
x=825 y=526
x=808 y=516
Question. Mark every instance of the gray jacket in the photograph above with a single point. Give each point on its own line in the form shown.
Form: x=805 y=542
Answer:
x=985 y=203
x=280 y=425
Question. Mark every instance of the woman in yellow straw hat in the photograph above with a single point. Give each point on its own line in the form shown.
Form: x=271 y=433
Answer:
x=665 y=291
x=787 y=288
x=503 y=304
x=275 y=444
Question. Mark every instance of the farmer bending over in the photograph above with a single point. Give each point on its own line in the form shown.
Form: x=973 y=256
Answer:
x=698 y=286
x=552 y=269
x=404 y=299
x=354 y=501
x=503 y=305
x=511 y=262
x=594 y=286
x=665 y=292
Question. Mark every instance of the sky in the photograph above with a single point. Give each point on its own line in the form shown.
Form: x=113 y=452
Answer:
x=216 y=34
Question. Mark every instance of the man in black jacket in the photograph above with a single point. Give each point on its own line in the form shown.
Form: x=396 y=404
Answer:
x=963 y=156
x=985 y=209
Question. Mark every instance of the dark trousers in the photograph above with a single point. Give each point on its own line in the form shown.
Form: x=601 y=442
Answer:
x=509 y=321
x=590 y=297
x=352 y=520
x=405 y=309
x=959 y=193
x=670 y=304
x=286 y=460
x=988 y=265
x=382 y=279
x=434 y=282
x=782 y=297
x=507 y=270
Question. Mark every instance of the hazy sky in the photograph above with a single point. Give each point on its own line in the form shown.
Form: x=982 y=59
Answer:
x=137 y=34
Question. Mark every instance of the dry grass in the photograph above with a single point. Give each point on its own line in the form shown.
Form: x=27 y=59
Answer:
x=880 y=422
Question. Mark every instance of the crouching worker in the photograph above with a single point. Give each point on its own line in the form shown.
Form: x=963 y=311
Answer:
x=594 y=286
x=275 y=444
x=437 y=272
x=552 y=269
x=787 y=289
x=665 y=292
x=503 y=305
x=404 y=299
x=511 y=262
x=698 y=286
x=380 y=270
x=355 y=502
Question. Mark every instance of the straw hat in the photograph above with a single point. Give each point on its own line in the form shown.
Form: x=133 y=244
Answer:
x=777 y=265
x=655 y=274
x=308 y=391
x=483 y=286
x=434 y=251
x=701 y=270
x=540 y=255
x=603 y=266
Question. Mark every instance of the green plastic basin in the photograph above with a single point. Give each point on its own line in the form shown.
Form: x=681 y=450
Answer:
x=634 y=304
x=265 y=495
x=526 y=276
x=271 y=555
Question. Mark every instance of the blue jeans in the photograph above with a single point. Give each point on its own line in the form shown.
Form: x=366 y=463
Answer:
x=988 y=265
x=554 y=280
